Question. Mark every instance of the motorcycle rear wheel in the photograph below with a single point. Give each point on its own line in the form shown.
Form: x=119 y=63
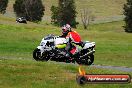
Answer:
x=88 y=60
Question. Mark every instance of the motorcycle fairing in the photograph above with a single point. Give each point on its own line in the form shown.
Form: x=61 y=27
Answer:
x=88 y=45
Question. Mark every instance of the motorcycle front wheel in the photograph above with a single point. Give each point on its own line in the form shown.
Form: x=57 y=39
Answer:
x=37 y=55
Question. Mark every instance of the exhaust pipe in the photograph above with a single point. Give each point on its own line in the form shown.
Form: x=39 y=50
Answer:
x=87 y=54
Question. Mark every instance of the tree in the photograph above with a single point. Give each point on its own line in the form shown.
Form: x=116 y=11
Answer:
x=86 y=17
x=66 y=13
x=3 y=5
x=55 y=11
x=32 y=10
x=128 y=16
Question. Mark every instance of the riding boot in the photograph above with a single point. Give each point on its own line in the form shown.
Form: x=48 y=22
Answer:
x=69 y=57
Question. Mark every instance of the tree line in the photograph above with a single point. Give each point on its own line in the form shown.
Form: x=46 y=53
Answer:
x=65 y=12
x=33 y=10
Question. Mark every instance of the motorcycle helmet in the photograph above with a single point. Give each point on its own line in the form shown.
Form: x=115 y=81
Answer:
x=66 y=28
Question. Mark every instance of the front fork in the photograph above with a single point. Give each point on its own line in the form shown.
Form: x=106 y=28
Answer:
x=41 y=49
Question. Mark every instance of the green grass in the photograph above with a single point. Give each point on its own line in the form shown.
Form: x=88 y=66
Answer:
x=32 y=74
x=19 y=70
x=17 y=42
x=113 y=45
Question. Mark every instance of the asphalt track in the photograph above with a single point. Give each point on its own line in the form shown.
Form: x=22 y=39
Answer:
x=125 y=69
x=119 y=68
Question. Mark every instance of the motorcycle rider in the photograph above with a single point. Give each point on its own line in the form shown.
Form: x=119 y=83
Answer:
x=72 y=37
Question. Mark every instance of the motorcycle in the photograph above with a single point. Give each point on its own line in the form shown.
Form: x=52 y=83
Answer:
x=53 y=48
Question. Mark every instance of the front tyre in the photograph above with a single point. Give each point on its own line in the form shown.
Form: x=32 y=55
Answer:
x=37 y=55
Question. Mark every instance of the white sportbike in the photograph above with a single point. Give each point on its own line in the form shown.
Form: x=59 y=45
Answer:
x=53 y=48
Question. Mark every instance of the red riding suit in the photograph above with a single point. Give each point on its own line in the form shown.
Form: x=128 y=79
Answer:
x=73 y=38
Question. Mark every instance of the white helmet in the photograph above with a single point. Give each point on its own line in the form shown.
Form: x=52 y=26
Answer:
x=66 y=28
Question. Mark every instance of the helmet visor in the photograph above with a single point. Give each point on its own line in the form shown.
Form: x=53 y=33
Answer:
x=64 y=30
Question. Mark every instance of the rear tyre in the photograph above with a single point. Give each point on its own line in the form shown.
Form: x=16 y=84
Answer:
x=89 y=60
x=37 y=55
